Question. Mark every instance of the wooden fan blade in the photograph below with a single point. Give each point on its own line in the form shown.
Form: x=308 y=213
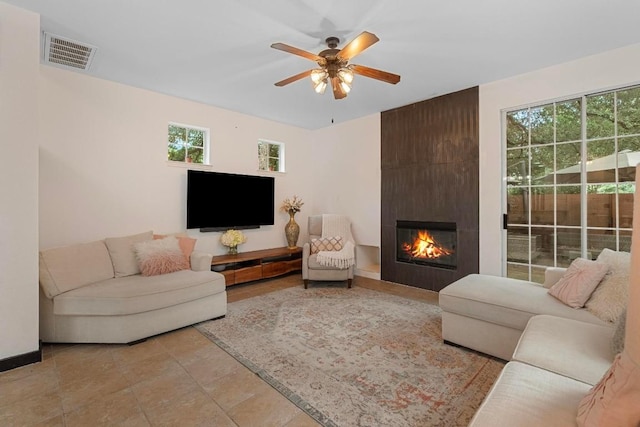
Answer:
x=296 y=51
x=295 y=78
x=375 y=74
x=338 y=93
x=357 y=45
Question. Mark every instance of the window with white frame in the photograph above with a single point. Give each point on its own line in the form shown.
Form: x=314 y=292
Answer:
x=270 y=156
x=187 y=144
x=570 y=179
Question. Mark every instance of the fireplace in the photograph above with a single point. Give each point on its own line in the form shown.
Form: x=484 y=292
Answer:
x=429 y=171
x=427 y=243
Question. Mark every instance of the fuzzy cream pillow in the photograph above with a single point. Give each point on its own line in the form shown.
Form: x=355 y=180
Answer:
x=160 y=256
x=612 y=294
x=617 y=342
x=187 y=244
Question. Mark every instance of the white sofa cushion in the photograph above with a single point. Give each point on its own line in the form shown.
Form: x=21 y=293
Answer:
x=527 y=396
x=123 y=255
x=137 y=294
x=575 y=349
x=70 y=267
x=504 y=301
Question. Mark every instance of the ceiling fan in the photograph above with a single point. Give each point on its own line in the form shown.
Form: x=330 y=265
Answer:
x=335 y=67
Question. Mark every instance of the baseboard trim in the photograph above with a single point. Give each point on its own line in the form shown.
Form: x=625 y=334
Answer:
x=21 y=360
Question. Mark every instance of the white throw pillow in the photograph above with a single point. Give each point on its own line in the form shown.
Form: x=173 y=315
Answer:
x=612 y=294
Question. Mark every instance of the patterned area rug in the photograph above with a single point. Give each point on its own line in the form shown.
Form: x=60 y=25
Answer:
x=356 y=357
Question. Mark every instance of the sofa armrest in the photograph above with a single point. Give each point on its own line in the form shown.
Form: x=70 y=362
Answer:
x=552 y=275
x=201 y=261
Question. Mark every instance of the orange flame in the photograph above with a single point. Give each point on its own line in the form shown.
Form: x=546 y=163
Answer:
x=425 y=246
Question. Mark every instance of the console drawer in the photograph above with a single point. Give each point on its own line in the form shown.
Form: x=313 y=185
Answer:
x=274 y=269
x=281 y=267
x=248 y=274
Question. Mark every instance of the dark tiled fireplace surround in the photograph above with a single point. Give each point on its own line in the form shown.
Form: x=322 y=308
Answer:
x=429 y=161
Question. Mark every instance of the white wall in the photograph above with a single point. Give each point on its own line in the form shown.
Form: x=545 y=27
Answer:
x=19 y=47
x=605 y=71
x=346 y=179
x=103 y=168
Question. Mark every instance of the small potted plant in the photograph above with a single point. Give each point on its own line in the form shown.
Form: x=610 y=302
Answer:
x=231 y=239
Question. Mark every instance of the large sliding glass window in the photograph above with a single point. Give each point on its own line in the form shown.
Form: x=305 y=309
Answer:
x=570 y=171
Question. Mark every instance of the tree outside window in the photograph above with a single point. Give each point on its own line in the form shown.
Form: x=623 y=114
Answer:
x=270 y=156
x=187 y=144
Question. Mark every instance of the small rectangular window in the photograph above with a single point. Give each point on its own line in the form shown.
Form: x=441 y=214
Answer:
x=270 y=156
x=188 y=144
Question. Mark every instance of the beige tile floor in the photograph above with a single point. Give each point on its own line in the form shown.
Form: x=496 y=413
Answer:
x=176 y=379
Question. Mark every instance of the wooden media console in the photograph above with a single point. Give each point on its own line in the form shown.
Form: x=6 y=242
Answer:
x=255 y=265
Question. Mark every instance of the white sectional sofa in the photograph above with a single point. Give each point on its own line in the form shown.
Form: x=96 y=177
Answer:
x=94 y=293
x=489 y=313
x=556 y=353
x=554 y=366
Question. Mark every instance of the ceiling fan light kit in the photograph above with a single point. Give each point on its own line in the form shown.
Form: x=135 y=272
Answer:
x=334 y=65
x=346 y=75
x=318 y=75
x=320 y=86
x=346 y=87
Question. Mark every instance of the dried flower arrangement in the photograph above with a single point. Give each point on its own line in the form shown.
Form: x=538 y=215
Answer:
x=293 y=205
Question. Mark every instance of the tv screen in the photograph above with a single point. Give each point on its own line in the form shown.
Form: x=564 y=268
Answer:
x=220 y=201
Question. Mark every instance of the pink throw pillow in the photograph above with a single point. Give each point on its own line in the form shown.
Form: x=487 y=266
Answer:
x=614 y=401
x=161 y=256
x=578 y=283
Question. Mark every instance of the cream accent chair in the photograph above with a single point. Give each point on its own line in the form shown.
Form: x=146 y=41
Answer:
x=311 y=269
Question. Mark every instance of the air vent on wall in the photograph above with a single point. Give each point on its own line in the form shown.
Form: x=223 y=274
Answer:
x=64 y=52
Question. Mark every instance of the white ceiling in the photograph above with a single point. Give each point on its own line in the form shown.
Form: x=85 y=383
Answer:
x=217 y=52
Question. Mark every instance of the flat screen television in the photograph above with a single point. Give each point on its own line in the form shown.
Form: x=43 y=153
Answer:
x=219 y=201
